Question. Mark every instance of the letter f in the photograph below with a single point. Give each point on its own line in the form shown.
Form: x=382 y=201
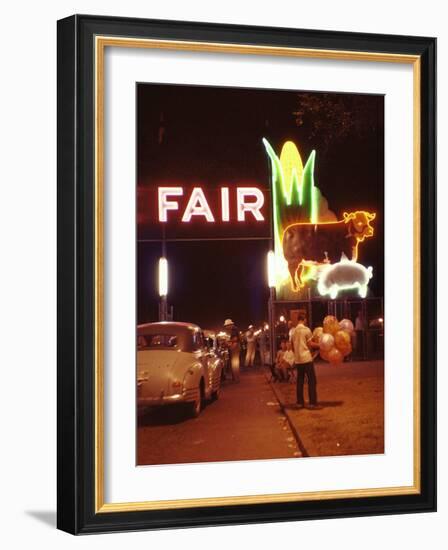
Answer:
x=165 y=204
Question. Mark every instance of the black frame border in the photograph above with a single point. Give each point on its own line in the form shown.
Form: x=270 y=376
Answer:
x=76 y=284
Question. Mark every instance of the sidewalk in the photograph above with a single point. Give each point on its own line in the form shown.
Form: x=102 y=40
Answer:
x=351 y=421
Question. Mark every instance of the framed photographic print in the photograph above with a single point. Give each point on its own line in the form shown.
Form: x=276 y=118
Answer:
x=246 y=274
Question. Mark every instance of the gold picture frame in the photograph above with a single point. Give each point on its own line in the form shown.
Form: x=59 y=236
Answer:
x=80 y=35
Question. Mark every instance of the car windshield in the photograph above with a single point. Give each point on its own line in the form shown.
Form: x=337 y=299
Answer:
x=156 y=341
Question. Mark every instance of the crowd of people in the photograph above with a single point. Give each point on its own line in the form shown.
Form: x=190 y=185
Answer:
x=245 y=348
x=296 y=354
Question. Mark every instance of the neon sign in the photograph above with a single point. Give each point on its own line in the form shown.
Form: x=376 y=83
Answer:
x=248 y=201
x=343 y=275
x=313 y=244
x=308 y=237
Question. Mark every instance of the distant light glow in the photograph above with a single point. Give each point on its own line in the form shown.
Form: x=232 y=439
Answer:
x=165 y=204
x=253 y=206
x=282 y=319
x=197 y=206
x=163 y=277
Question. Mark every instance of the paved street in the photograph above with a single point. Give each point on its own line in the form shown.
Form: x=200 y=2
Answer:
x=245 y=423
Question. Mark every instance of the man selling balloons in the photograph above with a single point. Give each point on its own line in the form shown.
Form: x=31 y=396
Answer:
x=333 y=340
x=302 y=343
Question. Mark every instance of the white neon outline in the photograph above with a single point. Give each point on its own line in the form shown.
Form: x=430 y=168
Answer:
x=253 y=207
x=164 y=204
x=335 y=288
x=197 y=195
x=225 y=209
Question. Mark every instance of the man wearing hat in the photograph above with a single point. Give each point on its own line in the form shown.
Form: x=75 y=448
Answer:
x=234 y=348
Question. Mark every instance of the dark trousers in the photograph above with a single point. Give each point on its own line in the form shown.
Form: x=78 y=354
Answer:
x=306 y=369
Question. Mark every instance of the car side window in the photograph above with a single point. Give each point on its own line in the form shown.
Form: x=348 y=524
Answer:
x=141 y=342
x=205 y=342
x=154 y=341
x=198 y=341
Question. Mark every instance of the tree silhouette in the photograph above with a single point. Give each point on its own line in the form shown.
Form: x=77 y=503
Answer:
x=327 y=118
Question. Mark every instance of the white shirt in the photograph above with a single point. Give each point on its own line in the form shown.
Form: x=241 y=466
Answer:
x=300 y=339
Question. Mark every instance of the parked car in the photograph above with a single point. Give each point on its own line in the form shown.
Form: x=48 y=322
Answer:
x=176 y=364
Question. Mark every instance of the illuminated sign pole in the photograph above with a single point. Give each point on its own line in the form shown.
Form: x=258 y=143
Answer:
x=163 y=289
x=271 y=284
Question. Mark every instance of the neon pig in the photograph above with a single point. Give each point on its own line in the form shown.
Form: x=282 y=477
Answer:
x=249 y=200
x=343 y=275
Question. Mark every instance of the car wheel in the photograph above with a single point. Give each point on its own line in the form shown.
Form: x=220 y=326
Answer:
x=215 y=395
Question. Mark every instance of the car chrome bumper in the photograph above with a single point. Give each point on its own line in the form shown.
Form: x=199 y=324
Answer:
x=164 y=400
x=188 y=395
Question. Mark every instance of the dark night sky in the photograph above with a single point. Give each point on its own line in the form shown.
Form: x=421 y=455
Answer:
x=193 y=135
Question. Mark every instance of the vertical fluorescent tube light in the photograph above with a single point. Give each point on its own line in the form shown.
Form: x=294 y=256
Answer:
x=271 y=282
x=163 y=277
x=271 y=269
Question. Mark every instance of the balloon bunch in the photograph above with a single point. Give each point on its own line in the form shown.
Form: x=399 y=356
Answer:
x=334 y=339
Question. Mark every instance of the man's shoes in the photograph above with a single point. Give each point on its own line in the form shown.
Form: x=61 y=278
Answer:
x=315 y=407
x=300 y=406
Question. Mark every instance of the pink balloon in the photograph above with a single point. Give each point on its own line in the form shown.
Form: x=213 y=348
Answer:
x=347 y=325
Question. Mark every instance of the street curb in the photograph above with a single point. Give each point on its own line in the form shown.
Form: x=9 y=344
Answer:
x=288 y=418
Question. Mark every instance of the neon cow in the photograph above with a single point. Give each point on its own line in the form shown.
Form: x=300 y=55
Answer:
x=313 y=244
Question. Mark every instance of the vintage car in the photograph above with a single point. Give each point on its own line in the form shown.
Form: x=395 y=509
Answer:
x=176 y=364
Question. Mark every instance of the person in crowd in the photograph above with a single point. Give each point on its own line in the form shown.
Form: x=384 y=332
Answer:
x=280 y=367
x=303 y=360
x=250 y=347
x=360 y=323
x=234 y=348
x=288 y=358
x=358 y=334
x=284 y=360
x=262 y=346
